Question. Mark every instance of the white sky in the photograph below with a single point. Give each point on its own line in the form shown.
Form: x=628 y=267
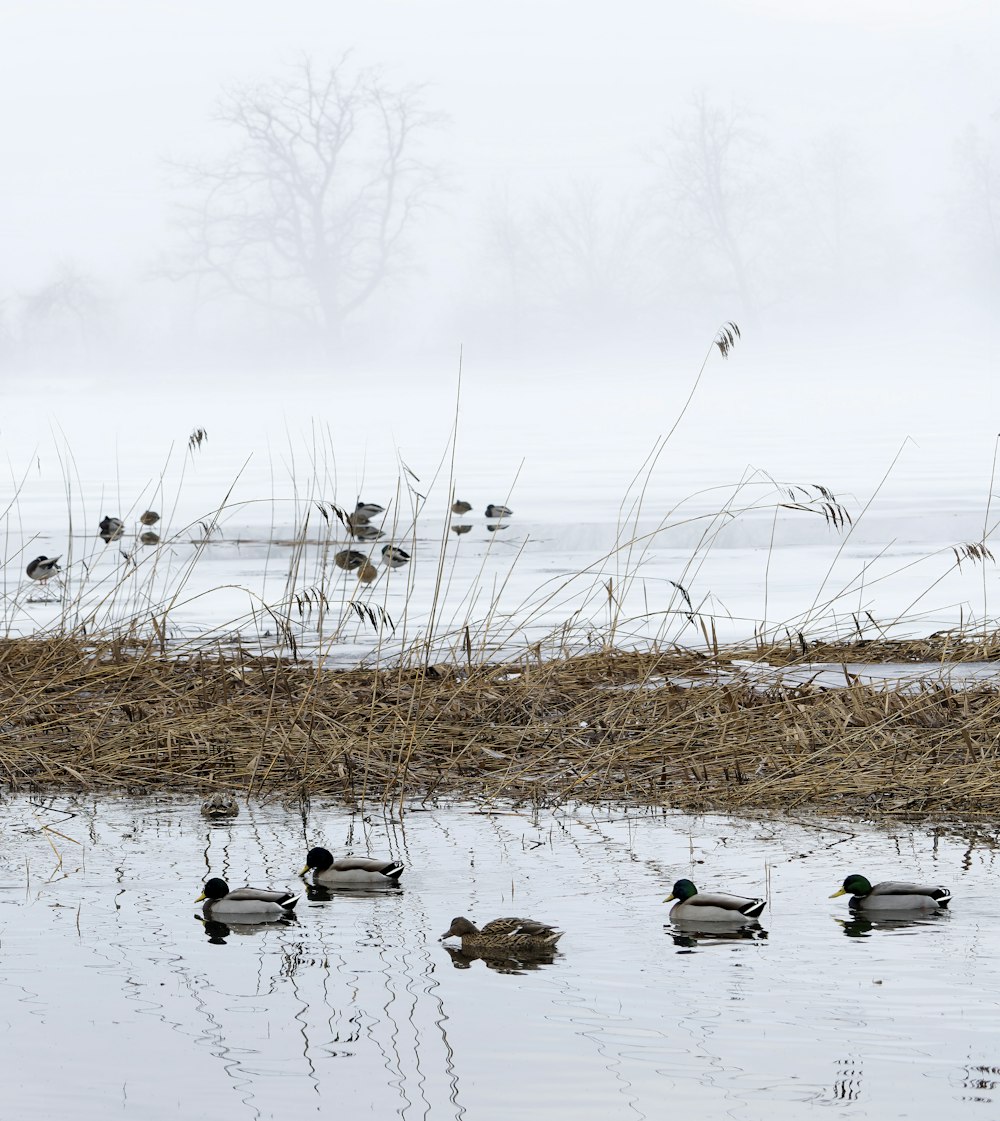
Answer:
x=96 y=94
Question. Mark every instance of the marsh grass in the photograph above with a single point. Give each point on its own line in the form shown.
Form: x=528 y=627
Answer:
x=580 y=690
x=672 y=728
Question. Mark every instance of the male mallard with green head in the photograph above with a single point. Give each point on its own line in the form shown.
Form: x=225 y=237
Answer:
x=351 y=871
x=695 y=906
x=249 y=904
x=892 y=896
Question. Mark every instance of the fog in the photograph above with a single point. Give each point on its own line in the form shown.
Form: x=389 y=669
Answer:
x=605 y=184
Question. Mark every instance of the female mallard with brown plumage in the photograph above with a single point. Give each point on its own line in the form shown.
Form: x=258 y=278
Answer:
x=504 y=934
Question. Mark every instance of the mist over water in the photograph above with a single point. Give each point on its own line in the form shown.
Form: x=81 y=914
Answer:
x=334 y=239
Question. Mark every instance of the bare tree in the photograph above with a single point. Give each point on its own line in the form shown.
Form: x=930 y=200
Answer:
x=576 y=254
x=311 y=210
x=713 y=184
x=67 y=313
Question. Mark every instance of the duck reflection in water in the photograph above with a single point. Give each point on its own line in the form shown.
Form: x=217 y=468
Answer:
x=863 y=926
x=523 y=961
x=688 y=937
x=217 y=932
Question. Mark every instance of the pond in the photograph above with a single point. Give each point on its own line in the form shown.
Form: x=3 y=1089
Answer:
x=118 y=1002
x=724 y=531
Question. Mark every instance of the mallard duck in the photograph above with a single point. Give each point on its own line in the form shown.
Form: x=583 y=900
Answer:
x=349 y=559
x=42 y=568
x=253 y=903
x=367 y=532
x=493 y=511
x=110 y=529
x=461 y=507
x=394 y=556
x=351 y=871
x=504 y=934
x=892 y=896
x=369 y=509
x=149 y=517
x=367 y=573
x=220 y=805
x=692 y=906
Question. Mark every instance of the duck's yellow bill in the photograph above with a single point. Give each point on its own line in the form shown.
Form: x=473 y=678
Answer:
x=201 y=897
x=304 y=870
x=669 y=898
x=843 y=891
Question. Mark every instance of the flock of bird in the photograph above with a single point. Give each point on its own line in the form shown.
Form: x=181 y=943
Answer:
x=359 y=526
x=43 y=568
x=519 y=936
x=254 y=905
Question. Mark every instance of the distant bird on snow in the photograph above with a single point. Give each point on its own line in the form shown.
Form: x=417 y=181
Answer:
x=349 y=559
x=366 y=532
x=461 y=507
x=394 y=556
x=369 y=509
x=149 y=517
x=498 y=511
x=42 y=568
x=111 y=529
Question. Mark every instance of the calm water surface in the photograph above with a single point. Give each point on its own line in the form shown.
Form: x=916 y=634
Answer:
x=117 y=1001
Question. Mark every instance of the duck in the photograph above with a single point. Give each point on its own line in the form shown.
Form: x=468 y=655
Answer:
x=43 y=568
x=504 y=934
x=111 y=529
x=254 y=903
x=493 y=511
x=349 y=559
x=369 y=509
x=692 y=906
x=460 y=529
x=149 y=517
x=461 y=507
x=366 y=532
x=892 y=896
x=149 y=537
x=220 y=805
x=351 y=871
x=367 y=573
x=394 y=556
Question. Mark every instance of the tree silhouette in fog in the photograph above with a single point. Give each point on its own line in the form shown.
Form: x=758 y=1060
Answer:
x=715 y=196
x=310 y=212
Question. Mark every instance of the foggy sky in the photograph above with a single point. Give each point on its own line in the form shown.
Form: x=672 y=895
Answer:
x=542 y=97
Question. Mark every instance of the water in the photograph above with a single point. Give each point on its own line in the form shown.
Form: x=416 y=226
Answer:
x=117 y=1002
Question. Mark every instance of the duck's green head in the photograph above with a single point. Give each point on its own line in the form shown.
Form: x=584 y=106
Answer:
x=682 y=890
x=854 y=885
x=214 y=889
x=318 y=858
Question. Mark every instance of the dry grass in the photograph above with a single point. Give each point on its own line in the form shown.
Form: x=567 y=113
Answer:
x=674 y=729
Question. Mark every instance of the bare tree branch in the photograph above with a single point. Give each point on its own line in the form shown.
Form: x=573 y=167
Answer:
x=311 y=211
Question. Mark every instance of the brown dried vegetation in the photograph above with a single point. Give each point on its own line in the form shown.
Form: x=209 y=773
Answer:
x=672 y=729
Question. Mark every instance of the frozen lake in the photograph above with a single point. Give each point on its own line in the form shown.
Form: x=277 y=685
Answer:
x=118 y=1002
x=602 y=542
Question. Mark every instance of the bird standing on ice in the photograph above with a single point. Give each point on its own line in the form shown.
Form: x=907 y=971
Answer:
x=42 y=568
